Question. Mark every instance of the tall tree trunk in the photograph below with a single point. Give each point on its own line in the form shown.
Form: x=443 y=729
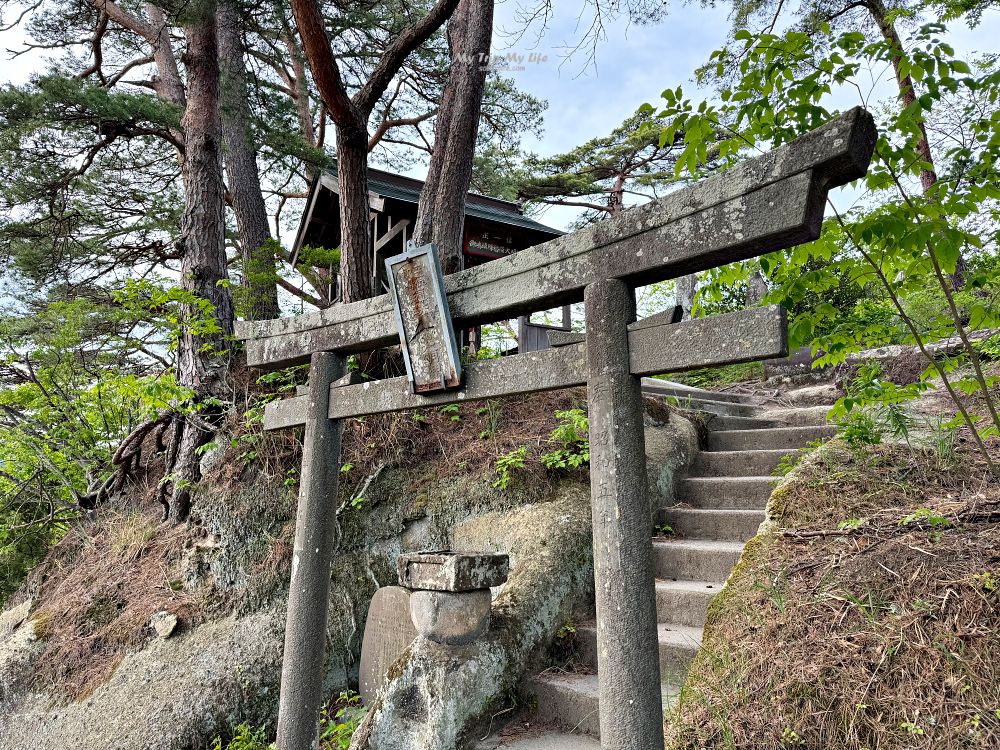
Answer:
x=441 y=214
x=355 y=230
x=684 y=290
x=350 y=114
x=908 y=97
x=757 y=289
x=302 y=107
x=907 y=93
x=259 y=271
x=202 y=358
x=168 y=78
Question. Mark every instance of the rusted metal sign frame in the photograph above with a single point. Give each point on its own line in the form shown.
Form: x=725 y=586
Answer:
x=424 y=261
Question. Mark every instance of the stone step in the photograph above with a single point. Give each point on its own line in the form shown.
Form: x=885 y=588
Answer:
x=760 y=463
x=741 y=493
x=546 y=739
x=721 y=422
x=729 y=524
x=678 y=645
x=721 y=408
x=570 y=700
x=797 y=416
x=695 y=559
x=654 y=387
x=774 y=438
x=684 y=602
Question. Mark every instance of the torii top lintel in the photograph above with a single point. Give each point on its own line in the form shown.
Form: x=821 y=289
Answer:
x=767 y=203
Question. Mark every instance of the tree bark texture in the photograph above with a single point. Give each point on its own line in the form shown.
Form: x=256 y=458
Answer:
x=259 y=271
x=908 y=96
x=685 y=288
x=168 y=82
x=155 y=30
x=202 y=358
x=302 y=106
x=441 y=213
x=356 y=268
x=757 y=289
x=350 y=115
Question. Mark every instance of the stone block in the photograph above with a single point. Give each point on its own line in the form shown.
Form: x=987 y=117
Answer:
x=389 y=632
x=565 y=338
x=451 y=618
x=452 y=571
x=164 y=623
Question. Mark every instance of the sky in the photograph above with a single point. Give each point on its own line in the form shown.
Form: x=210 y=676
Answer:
x=633 y=64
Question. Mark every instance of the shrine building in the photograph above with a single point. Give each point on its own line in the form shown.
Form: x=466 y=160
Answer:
x=493 y=229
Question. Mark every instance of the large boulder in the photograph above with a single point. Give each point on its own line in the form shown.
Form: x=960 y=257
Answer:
x=175 y=693
x=439 y=693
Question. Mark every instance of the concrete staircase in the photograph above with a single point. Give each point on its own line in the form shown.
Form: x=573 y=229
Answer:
x=718 y=507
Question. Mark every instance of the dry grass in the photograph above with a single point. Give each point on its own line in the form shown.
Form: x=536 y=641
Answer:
x=462 y=439
x=870 y=620
x=98 y=590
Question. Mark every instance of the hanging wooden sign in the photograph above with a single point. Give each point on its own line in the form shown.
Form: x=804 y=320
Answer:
x=426 y=336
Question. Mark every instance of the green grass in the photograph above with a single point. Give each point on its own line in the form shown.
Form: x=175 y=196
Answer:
x=715 y=377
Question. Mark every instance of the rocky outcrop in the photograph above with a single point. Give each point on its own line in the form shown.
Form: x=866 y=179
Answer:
x=439 y=693
x=175 y=693
x=223 y=667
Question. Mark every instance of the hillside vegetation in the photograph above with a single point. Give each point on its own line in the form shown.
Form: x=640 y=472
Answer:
x=866 y=616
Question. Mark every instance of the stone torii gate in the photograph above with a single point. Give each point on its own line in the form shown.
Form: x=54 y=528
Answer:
x=771 y=202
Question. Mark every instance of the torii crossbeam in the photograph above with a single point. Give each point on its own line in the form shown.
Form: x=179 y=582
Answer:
x=768 y=203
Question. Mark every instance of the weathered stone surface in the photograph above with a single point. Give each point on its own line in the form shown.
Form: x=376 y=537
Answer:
x=563 y=338
x=670 y=449
x=451 y=618
x=214 y=458
x=163 y=624
x=798 y=362
x=18 y=649
x=442 y=692
x=670 y=316
x=627 y=652
x=537 y=371
x=389 y=631
x=800 y=416
x=175 y=694
x=744 y=336
x=452 y=571
x=822 y=393
x=764 y=204
x=660 y=346
x=11 y=618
